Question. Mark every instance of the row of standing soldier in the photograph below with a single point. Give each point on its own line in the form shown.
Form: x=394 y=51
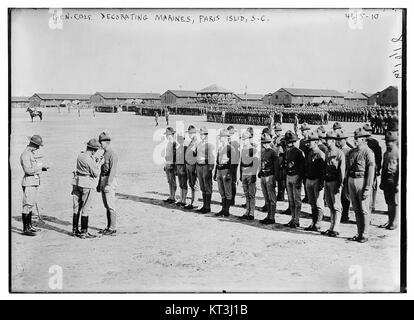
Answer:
x=331 y=169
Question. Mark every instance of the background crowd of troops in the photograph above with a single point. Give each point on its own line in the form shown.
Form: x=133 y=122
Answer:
x=333 y=171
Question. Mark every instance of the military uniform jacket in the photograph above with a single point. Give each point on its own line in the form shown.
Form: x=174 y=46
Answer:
x=361 y=164
x=375 y=147
x=335 y=165
x=315 y=164
x=87 y=170
x=108 y=168
x=390 y=169
x=205 y=153
x=295 y=160
x=31 y=168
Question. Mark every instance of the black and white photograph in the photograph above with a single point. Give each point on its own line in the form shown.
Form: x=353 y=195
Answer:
x=207 y=150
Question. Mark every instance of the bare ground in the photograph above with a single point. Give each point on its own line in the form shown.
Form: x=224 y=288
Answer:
x=162 y=248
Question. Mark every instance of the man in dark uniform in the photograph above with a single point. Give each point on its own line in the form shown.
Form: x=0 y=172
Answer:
x=156 y=119
x=234 y=142
x=389 y=179
x=223 y=172
x=360 y=173
x=295 y=123
x=304 y=146
x=205 y=165
x=373 y=144
x=83 y=186
x=107 y=183
x=191 y=167
x=268 y=172
x=31 y=182
x=295 y=172
x=314 y=174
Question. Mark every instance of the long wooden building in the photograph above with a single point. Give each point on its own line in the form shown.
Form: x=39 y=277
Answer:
x=56 y=99
x=179 y=96
x=296 y=96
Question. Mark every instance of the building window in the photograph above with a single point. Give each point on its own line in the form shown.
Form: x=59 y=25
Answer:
x=276 y=96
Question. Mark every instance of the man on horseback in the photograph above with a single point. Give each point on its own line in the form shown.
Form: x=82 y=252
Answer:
x=32 y=109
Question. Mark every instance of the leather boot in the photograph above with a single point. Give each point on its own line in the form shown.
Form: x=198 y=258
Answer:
x=223 y=208
x=31 y=228
x=112 y=228
x=201 y=210
x=208 y=203
x=26 y=230
x=84 y=228
x=75 y=225
x=227 y=208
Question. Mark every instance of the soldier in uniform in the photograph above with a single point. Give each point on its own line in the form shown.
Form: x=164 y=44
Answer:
x=223 y=172
x=322 y=134
x=360 y=173
x=389 y=179
x=107 y=183
x=31 y=182
x=295 y=123
x=373 y=144
x=314 y=174
x=345 y=199
x=249 y=163
x=167 y=116
x=234 y=142
x=295 y=172
x=156 y=118
x=205 y=165
x=268 y=172
x=334 y=176
x=170 y=167
x=337 y=127
x=84 y=180
x=181 y=169
x=304 y=146
x=191 y=168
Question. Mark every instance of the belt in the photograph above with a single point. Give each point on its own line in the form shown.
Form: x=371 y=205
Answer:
x=357 y=175
x=223 y=166
x=82 y=174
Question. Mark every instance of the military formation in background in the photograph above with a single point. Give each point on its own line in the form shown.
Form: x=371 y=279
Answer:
x=333 y=172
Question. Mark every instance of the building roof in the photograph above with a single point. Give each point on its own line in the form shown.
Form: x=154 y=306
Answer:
x=62 y=96
x=214 y=89
x=19 y=99
x=249 y=96
x=313 y=92
x=368 y=95
x=129 y=95
x=183 y=93
x=354 y=96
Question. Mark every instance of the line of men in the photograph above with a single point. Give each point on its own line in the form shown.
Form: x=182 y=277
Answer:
x=93 y=171
x=332 y=170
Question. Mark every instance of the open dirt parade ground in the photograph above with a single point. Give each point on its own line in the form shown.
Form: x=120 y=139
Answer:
x=162 y=247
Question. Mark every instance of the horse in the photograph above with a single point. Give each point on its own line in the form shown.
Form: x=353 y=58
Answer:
x=34 y=113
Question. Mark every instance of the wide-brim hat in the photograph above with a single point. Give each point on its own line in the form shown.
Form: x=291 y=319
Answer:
x=104 y=137
x=203 y=130
x=191 y=129
x=224 y=133
x=291 y=137
x=304 y=127
x=93 y=144
x=266 y=138
x=391 y=136
x=36 y=139
x=367 y=127
x=313 y=136
x=169 y=130
x=361 y=133
x=278 y=127
x=340 y=135
x=331 y=135
x=321 y=129
x=336 y=126
x=246 y=135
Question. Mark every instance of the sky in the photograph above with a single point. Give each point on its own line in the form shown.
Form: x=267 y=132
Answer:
x=90 y=50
